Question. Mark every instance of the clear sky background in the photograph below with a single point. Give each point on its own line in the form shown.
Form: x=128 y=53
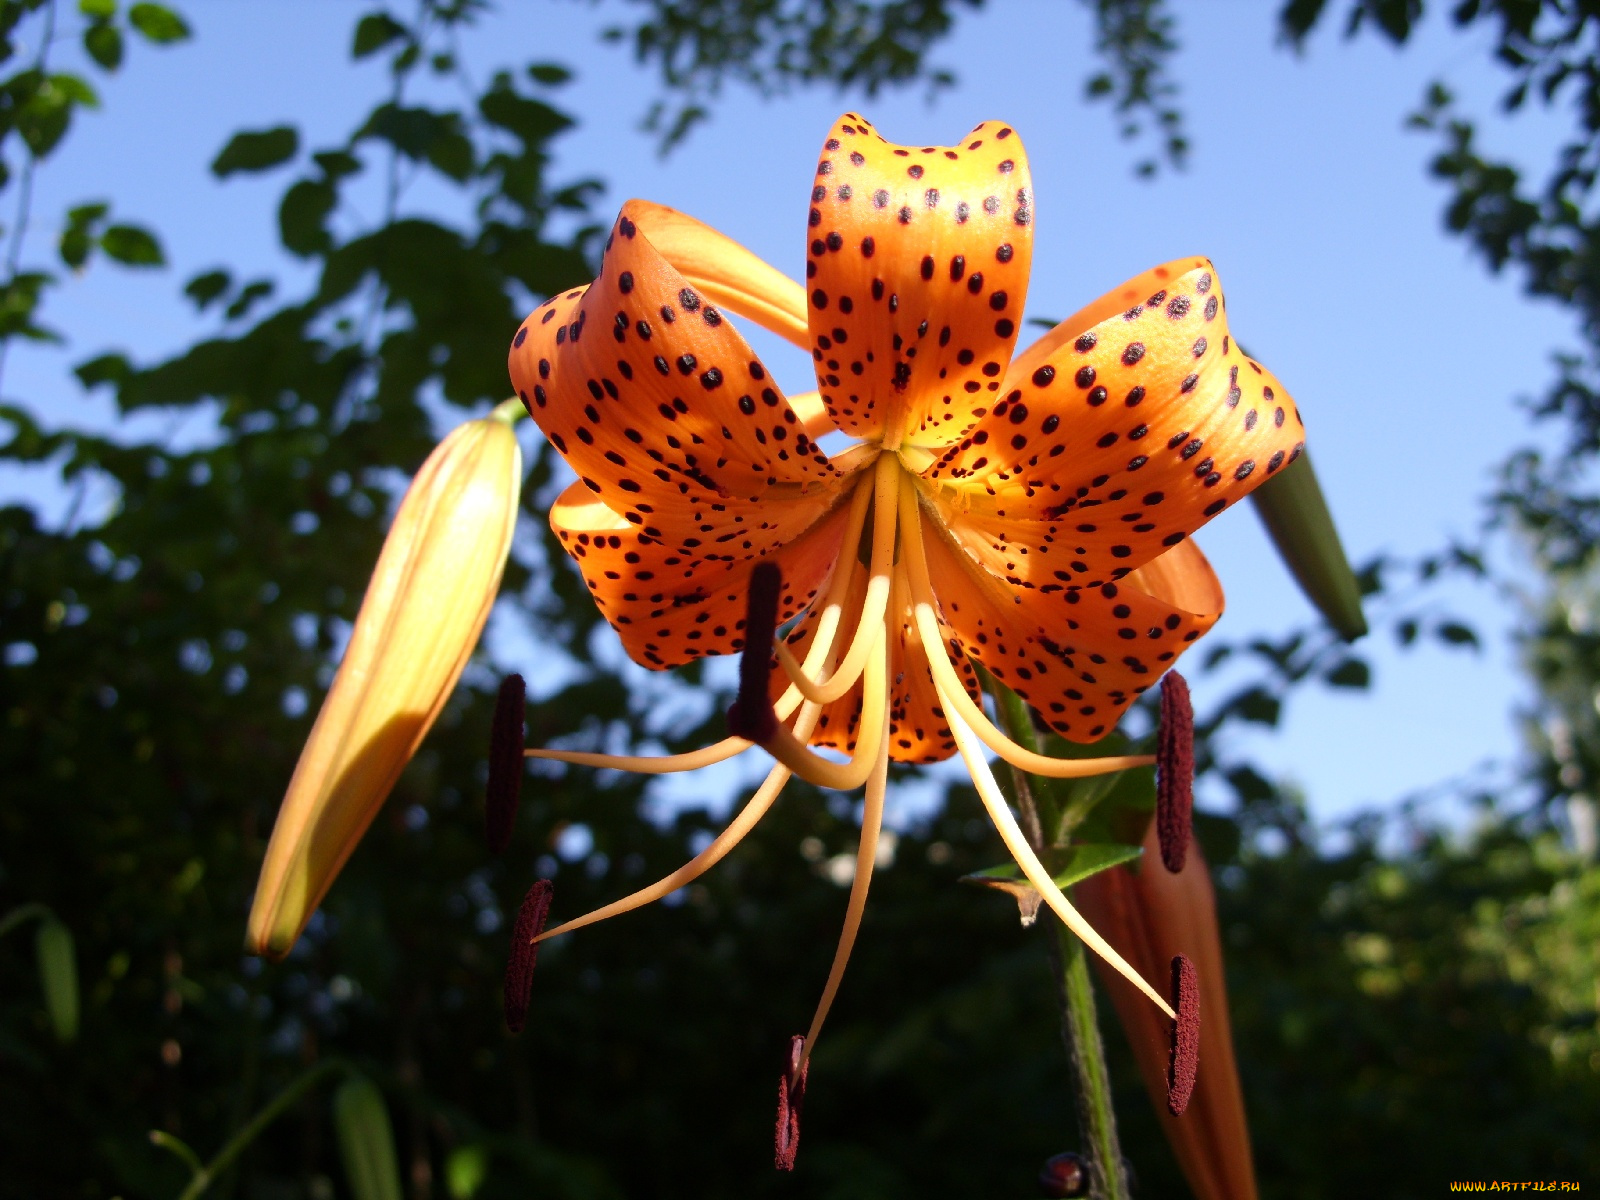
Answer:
x=1304 y=187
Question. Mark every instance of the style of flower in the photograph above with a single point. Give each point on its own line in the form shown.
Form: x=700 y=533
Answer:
x=430 y=595
x=1028 y=513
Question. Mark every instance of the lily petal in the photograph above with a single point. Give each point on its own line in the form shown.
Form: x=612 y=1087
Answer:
x=430 y=595
x=660 y=406
x=1125 y=439
x=917 y=272
x=724 y=271
x=671 y=605
x=1079 y=656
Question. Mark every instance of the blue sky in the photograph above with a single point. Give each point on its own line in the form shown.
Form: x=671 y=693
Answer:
x=1304 y=187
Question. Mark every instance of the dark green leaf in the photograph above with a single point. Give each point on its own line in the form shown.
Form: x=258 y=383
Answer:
x=1351 y=673
x=100 y=10
x=107 y=368
x=256 y=150
x=551 y=73
x=158 y=23
x=1066 y=867
x=303 y=215
x=133 y=246
x=103 y=43
x=1257 y=705
x=205 y=289
x=1456 y=634
x=373 y=32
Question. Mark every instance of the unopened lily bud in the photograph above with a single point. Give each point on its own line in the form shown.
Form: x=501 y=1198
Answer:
x=430 y=595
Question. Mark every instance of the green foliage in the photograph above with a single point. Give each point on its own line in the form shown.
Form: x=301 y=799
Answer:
x=257 y=150
x=165 y=649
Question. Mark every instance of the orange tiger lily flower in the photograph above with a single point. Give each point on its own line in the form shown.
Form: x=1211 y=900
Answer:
x=1028 y=512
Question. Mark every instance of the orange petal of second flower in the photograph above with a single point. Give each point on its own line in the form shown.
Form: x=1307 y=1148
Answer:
x=916 y=273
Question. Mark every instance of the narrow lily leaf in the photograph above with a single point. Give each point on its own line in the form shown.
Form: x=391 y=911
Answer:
x=1293 y=509
x=366 y=1140
x=58 y=977
x=1067 y=867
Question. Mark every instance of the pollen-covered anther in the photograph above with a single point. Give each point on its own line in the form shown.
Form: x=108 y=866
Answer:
x=1185 y=1058
x=525 y=953
x=791 y=1097
x=751 y=716
x=505 y=763
x=1175 y=772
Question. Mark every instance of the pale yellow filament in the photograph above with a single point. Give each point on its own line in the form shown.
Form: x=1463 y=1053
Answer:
x=791 y=751
x=1011 y=834
x=924 y=608
x=866 y=859
x=725 y=841
x=870 y=625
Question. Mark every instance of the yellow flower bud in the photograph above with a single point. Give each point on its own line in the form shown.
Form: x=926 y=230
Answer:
x=429 y=597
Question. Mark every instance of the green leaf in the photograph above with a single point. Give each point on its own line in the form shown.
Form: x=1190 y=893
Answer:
x=465 y=1171
x=1292 y=507
x=1351 y=673
x=77 y=239
x=132 y=246
x=1066 y=867
x=366 y=1140
x=158 y=23
x=256 y=150
x=114 y=369
x=103 y=43
x=1454 y=633
x=58 y=977
x=373 y=32
x=336 y=164
x=259 y=289
x=1258 y=705
x=100 y=10
x=551 y=73
x=302 y=217
x=205 y=288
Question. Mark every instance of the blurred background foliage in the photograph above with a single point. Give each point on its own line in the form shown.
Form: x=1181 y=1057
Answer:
x=1412 y=1003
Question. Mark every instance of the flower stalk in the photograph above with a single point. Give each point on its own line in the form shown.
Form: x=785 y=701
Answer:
x=1080 y=1029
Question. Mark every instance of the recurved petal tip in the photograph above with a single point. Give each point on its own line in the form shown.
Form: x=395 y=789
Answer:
x=791 y=1096
x=1185 y=1060
x=751 y=716
x=1175 y=772
x=525 y=953
x=505 y=763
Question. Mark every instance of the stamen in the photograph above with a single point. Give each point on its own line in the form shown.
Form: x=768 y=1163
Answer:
x=525 y=953
x=925 y=612
x=791 y=751
x=505 y=763
x=791 y=1098
x=751 y=714
x=1005 y=824
x=1175 y=772
x=874 y=605
x=657 y=764
x=866 y=859
x=1185 y=1060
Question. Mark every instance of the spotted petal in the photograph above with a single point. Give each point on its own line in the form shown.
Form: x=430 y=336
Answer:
x=663 y=410
x=1080 y=656
x=917 y=271
x=671 y=606
x=1134 y=425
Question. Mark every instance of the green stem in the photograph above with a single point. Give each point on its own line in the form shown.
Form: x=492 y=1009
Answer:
x=1039 y=809
x=275 y=1108
x=510 y=411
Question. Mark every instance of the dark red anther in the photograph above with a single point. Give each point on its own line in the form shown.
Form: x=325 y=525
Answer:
x=505 y=763
x=1175 y=772
x=1185 y=1060
x=791 y=1096
x=1064 y=1175
x=751 y=716
x=525 y=953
